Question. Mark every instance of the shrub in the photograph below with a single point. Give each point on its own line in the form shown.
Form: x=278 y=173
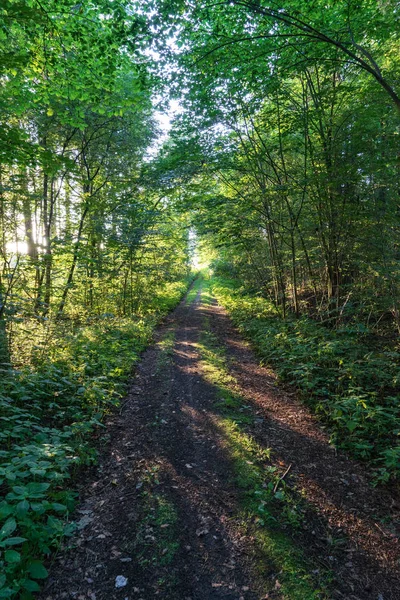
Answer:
x=340 y=373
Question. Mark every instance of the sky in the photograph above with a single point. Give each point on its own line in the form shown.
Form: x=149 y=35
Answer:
x=164 y=120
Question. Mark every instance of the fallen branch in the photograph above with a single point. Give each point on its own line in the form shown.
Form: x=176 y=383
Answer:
x=281 y=478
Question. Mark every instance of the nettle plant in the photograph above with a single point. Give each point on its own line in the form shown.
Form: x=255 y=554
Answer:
x=345 y=379
x=30 y=520
x=35 y=462
x=50 y=412
x=33 y=516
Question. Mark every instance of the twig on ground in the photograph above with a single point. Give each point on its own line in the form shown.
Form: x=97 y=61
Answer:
x=281 y=478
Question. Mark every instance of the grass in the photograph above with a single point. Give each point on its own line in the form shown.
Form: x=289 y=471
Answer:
x=161 y=519
x=269 y=508
x=156 y=541
x=166 y=349
x=195 y=288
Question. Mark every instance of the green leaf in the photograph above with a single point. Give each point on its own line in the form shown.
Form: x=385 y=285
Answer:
x=13 y=541
x=59 y=507
x=9 y=526
x=38 y=507
x=36 y=490
x=22 y=507
x=31 y=586
x=351 y=425
x=37 y=570
x=5 y=509
x=12 y=556
x=279 y=495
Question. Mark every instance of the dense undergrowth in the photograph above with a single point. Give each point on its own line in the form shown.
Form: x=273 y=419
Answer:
x=343 y=374
x=49 y=413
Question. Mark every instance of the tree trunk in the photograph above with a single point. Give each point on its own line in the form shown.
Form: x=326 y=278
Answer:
x=70 y=278
x=4 y=351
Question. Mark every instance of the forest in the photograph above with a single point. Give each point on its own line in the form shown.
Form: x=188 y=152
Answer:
x=172 y=155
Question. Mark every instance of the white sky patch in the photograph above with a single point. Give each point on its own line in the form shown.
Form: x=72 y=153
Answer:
x=17 y=247
x=193 y=249
x=164 y=118
x=164 y=121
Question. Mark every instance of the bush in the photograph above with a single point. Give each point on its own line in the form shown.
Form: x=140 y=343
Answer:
x=340 y=373
x=48 y=412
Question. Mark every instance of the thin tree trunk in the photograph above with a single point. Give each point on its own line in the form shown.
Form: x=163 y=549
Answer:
x=294 y=274
x=70 y=278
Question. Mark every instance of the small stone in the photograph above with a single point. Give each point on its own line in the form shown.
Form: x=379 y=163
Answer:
x=120 y=581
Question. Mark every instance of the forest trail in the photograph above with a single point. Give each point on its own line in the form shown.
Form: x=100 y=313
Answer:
x=215 y=483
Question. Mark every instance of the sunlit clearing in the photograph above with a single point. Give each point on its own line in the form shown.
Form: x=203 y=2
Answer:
x=197 y=258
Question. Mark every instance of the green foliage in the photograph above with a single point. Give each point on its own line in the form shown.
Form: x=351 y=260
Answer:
x=291 y=171
x=159 y=516
x=90 y=260
x=50 y=414
x=340 y=373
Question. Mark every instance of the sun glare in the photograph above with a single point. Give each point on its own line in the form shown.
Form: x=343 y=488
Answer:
x=17 y=247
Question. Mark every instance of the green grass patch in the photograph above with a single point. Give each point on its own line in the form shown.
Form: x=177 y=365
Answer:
x=166 y=349
x=156 y=542
x=206 y=295
x=341 y=374
x=195 y=288
x=268 y=505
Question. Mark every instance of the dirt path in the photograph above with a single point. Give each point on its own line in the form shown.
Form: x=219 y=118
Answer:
x=191 y=501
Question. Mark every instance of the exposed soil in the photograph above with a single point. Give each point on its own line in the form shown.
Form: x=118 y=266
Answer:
x=162 y=509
